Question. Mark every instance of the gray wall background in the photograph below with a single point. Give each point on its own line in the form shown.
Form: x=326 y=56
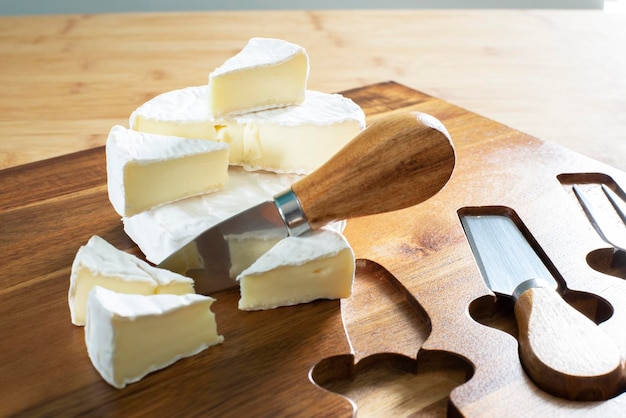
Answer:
x=21 y=7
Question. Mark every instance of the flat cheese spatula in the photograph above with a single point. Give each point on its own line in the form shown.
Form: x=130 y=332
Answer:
x=397 y=162
x=563 y=351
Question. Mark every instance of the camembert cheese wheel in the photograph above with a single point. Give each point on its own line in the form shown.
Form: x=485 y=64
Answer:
x=294 y=139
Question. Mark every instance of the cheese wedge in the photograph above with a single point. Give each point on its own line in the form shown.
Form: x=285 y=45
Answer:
x=293 y=139
x=266 y=73
x=99 y=263
x=147 y=170
x=317 y=265
x=129 y=336
x=183 y=113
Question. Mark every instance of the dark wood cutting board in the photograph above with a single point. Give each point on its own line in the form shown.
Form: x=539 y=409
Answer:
x=421 y=334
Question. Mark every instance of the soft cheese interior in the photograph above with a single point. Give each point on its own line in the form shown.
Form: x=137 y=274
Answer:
x=267 y=73
x=129 y=336
x=295 y=139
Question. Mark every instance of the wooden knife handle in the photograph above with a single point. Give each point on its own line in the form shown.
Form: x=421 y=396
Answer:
x=397 y=162
x=564 y=352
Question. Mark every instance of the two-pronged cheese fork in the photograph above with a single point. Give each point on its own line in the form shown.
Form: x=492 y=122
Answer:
x=599 y=220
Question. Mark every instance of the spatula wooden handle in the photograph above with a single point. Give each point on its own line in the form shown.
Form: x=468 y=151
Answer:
x=395 y=163
x=564 y=352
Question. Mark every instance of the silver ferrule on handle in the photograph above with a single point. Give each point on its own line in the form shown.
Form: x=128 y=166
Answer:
x=289 y=208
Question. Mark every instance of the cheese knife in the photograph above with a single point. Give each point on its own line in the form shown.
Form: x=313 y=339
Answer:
x=398 y=161
x=563 y=352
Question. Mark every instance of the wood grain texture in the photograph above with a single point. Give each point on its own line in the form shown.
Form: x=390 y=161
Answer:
x=555 y=74
x=372 y=172
x=563 y=351
x=463 y=357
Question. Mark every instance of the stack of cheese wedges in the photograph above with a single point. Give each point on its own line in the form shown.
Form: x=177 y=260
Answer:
x=190 y=159
x=276 y=130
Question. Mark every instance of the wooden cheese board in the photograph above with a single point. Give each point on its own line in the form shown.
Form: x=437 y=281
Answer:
x=422 y=335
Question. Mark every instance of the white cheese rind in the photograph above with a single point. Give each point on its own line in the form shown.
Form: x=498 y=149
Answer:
x=317 y=265
x=147 y=170
x=183 y=112
x=266 y=73
x=99 y=263
x=130 y=336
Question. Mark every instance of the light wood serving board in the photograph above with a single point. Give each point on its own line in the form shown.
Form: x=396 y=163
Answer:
x=421 y=334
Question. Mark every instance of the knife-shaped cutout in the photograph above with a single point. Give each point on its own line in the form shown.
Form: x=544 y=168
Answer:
x=563 y=351
x=606 y=211
x=603 y=202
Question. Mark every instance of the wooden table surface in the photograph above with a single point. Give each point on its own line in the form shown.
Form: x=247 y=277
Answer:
x=557 y=75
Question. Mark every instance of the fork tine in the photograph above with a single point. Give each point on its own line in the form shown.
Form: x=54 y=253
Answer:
x=591 y=212
x=618 y=204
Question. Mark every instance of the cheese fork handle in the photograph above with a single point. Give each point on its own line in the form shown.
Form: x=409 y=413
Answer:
x=397 y=162
x=564 y=352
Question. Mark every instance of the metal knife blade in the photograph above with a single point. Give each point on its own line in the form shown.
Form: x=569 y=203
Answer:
x=398 y=161
x=563 y=351
x=503 y=254
x=211 y=256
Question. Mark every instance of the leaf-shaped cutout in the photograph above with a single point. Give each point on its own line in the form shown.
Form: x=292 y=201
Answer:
x=387 y=374
x=389 y=384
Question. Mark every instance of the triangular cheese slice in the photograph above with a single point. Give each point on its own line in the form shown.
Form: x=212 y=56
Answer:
x=317 y=265
x=147 y=170
x=266 y=73
x=129 y=336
